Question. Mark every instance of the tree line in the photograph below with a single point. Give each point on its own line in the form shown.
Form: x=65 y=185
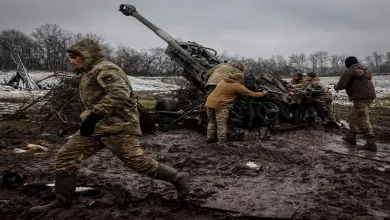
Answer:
x=45 y=49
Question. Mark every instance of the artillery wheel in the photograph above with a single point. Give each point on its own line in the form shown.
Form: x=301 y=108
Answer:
x=166 y=104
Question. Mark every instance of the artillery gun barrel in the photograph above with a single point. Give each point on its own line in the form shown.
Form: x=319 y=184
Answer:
x=130 y=10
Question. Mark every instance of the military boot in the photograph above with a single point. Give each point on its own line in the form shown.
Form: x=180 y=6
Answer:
x=212 y=140
x=370 y=144
x=350 y=138
x=64 y=190
x=178 y=179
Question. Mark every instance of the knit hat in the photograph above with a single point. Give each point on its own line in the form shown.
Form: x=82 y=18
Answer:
x=350 y=61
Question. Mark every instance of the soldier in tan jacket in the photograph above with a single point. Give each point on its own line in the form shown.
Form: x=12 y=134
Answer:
x=219 y=103
x=220 y=72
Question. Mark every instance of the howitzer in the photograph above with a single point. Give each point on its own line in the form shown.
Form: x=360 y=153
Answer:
x=247 y=113
x=195 y=59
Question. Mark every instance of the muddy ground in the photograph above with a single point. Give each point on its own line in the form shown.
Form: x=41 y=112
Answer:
x=304 y=174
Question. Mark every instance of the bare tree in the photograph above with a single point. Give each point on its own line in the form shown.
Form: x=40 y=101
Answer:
x=313 y=59
x=52 y=41
x=386 y=63
x=298 y=62
x=369 y=60
x=128 y=59
x=334 y=62
x=323 y=58
x=16 y=43
x=378 y=60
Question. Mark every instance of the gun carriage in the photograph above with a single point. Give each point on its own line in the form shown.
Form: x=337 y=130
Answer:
x=248 y=115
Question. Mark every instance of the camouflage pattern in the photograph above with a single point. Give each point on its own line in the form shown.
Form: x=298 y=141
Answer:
x=316 y=84
x=238 y=66
x=217 y=125
x=360 y=119
x=295 y=82
x=328 y=109
x=125 y=147
x=220 y=72
x=106 y=91
x=322 y=104
x=325 y=106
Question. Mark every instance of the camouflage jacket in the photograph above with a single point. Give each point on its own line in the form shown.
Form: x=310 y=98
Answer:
x=106 y=91
x=220 y=72
x=294 y=82
x=356 y=80
x=316 y=84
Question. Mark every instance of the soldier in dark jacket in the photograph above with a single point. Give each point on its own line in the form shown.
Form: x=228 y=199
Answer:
x=356 y=80
x=110 y=120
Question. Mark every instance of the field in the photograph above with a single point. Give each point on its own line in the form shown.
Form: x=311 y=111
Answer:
x=304 y=174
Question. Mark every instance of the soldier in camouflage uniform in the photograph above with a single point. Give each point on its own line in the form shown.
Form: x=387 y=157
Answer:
x=296 y=86
x=110 y=120
x=356 y=80
x=219 y=103
x=297 y=79
x=219 y=72
x=322 y=104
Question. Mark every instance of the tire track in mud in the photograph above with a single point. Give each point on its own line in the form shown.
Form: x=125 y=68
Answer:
x=214 y=169
x=292 y=175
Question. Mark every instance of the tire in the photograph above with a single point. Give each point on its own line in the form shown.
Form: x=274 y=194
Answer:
x=166 y=104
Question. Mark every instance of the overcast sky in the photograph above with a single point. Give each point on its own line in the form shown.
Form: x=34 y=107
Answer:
x=250 y=28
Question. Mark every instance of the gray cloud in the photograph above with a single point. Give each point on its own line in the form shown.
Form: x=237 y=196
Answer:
x=250 y=28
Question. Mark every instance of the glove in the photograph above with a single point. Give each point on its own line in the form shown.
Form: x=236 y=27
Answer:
x=334 y=87
x=87 y=127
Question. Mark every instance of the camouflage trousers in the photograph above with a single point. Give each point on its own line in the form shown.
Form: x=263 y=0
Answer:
x=360 y=119
x=324 y=108
x=125 y=147
x=217 y=125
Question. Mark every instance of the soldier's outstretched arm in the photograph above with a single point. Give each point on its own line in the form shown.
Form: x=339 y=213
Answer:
x=117 y=91
x=242 y=90
x=343 y=81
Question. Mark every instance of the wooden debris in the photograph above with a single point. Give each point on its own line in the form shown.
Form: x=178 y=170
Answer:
x=22 y=80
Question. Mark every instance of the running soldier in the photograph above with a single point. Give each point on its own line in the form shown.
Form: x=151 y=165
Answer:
x=110 y=120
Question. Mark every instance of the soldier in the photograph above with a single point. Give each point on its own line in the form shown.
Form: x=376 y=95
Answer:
x=323 y=108
x=219 y=102
x=297 y=79
x=356 y=80
x=219 y=72
x=296 y=89
x=110 y=120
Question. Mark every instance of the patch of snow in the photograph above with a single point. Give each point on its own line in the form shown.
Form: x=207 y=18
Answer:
x=34 y=146
x=253 y=165
x=18 y=150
